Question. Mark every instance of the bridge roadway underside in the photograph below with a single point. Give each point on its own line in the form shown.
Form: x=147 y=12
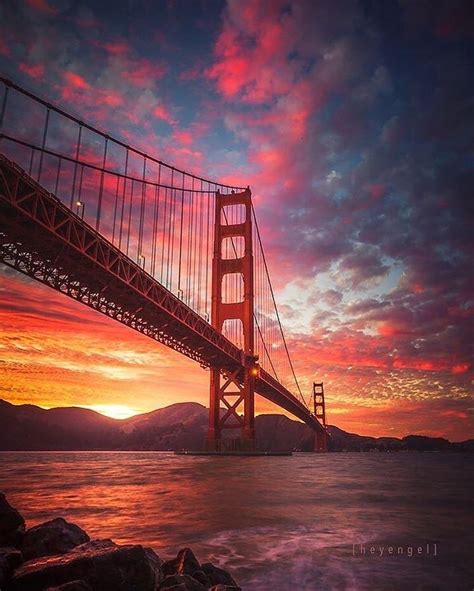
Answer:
x=44 y=239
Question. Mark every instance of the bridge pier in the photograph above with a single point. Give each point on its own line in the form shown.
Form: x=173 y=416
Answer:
x=321 y=441
x=231 y=404
x=228 y=399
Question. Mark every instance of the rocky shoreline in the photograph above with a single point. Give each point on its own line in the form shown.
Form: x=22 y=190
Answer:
x=60 y=556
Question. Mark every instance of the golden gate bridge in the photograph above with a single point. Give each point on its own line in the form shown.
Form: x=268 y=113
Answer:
x=168 y=253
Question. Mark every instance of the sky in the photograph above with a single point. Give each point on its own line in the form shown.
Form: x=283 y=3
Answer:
x=352 y=121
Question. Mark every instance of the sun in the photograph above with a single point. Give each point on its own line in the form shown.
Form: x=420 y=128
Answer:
x=115 y=411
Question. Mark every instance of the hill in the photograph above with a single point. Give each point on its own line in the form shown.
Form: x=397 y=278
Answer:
x=175 y=427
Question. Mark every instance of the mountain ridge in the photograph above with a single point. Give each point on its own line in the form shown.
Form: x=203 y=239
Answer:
x=181 y=425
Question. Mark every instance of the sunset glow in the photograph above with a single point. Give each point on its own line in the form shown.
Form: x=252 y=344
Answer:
x=115 y=411
x=367 y=234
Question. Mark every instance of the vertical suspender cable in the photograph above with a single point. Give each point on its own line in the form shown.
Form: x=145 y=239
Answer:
x=156 y=217
x=208 y=248
x=115 y=207
x=101 y=189
x=78 y=148
x=58 y=172
x=3 y=109
x=190 y=244
x=169 y=266
x=123 y=198
x=181 y=240
x=164 y=237
x=43 y=145
x=142 y=214
x=130 y=216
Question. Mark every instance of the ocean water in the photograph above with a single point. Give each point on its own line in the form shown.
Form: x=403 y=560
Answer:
x=306 y=522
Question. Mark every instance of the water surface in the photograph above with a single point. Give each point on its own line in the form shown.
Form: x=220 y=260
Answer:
x=277 y=523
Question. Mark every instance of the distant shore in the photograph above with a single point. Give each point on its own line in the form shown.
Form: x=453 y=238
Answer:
x=181 y=426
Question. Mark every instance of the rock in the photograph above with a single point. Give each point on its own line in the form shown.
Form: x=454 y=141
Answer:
x=224 y=588
x=181 y=583
x=201 y=576
x=10 y=559
x=100 y=544
x=155 y=563
x=53 y=537
x=185 y=563
x=72 y=586
x=12 y=524
x=218 y=576
x=103 y=565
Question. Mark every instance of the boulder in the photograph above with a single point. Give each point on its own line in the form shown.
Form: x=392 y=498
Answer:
x=12 y=524
x=10 y=559
x=53 y=537
x=218 y=576
x=103 y=565
x=185 y=563
x=99 y=544
x=201 y=576
x=181 y=583
x=72 y=586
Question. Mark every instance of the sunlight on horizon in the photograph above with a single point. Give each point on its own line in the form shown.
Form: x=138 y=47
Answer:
x=115 y=411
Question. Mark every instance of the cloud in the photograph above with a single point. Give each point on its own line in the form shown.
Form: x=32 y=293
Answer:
x=359 y=159
x=35 y=71
x=117 y=47
x=4 y=49
x=162 y=113
x=42 y=6
x=61 y=354
x=76 y=81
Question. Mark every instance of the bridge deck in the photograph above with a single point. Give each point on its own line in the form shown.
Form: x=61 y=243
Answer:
x=44 y=239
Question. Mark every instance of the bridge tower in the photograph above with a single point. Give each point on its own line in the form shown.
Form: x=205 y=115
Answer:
x=320 y=438
x=231 y=404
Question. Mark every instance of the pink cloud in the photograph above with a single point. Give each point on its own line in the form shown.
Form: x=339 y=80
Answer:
x=118 y=47
x=461 y=368
x=163 y=113
x=454 y=413
x=377 y=191
x=112 y=98
x=183 y=137
x=142 y=72
x=4 y=49
x=390 y=329
x=399 y=418
x=249 y=53
x=193 y=73
x=76 y=81
x=42 y=6
x=36 y=71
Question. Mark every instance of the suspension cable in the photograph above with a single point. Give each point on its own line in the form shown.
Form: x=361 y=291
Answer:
x=11 y=85
x=276 y=308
